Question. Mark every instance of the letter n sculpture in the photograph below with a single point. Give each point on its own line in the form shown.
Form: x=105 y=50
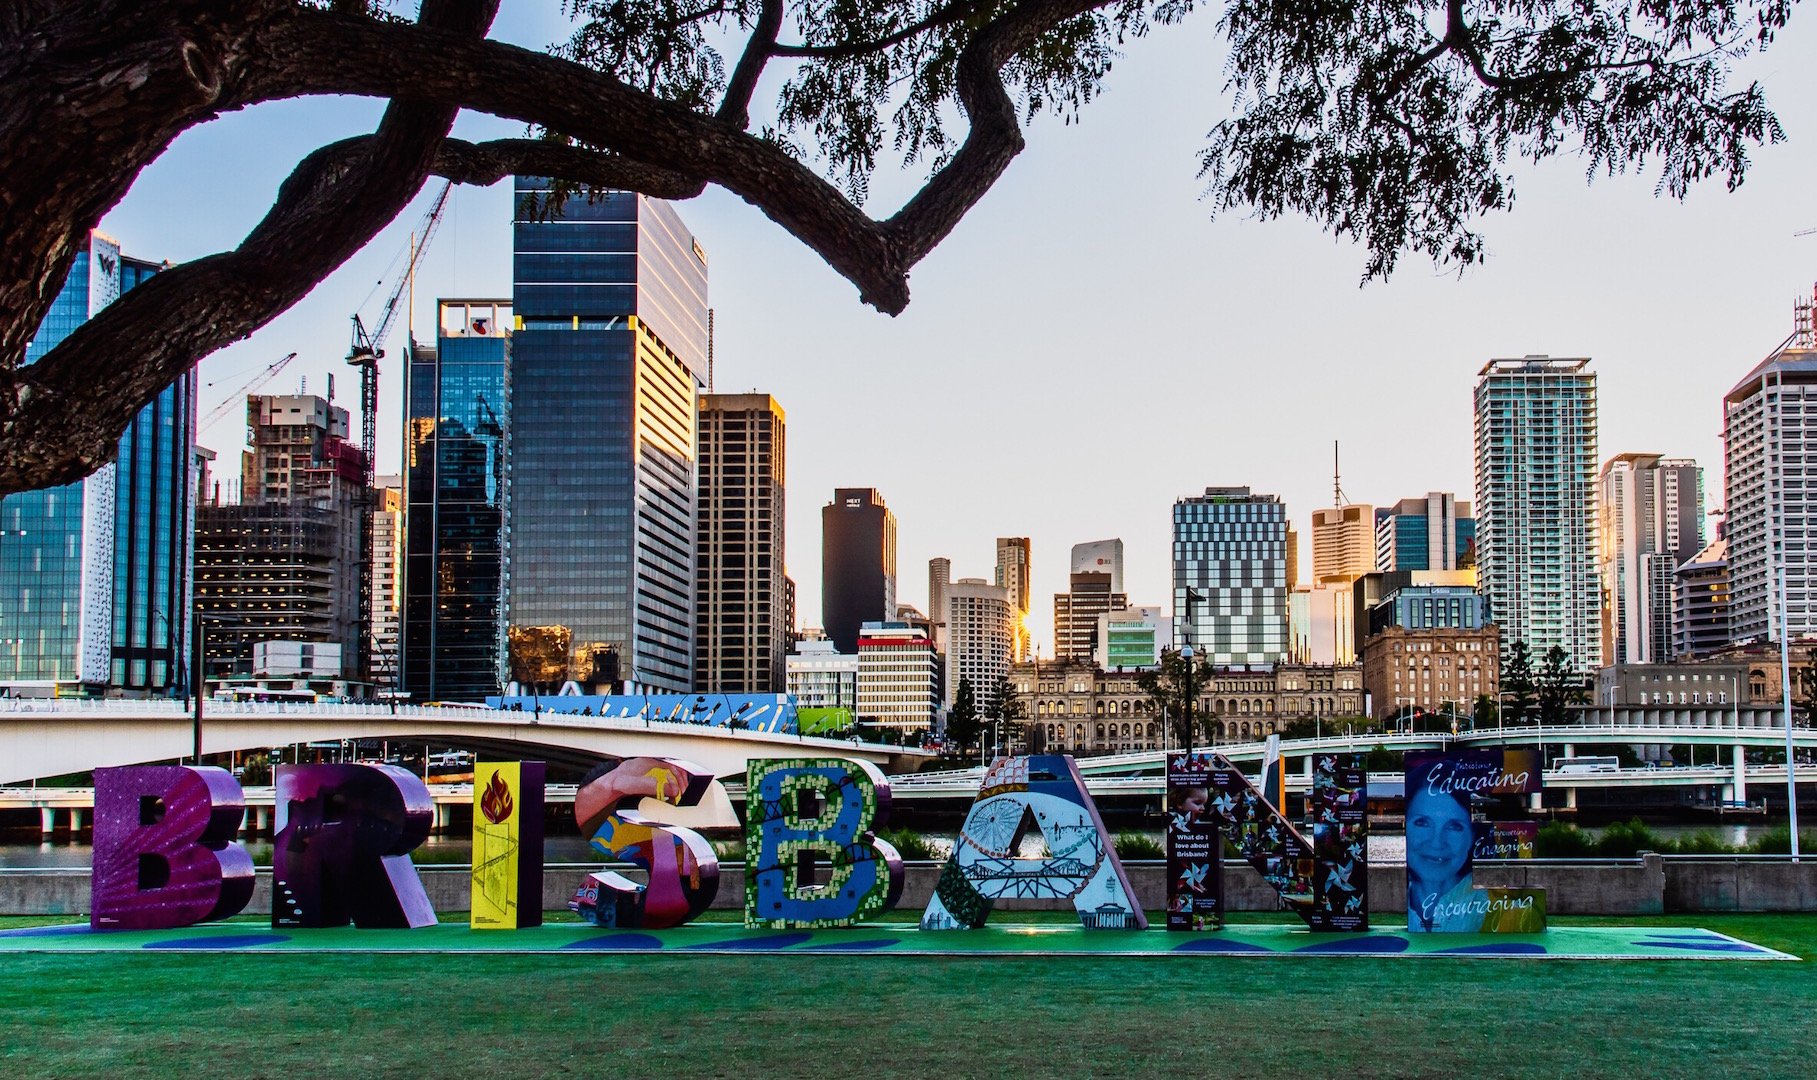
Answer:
x=1042 y=791
x=164 y=850
x=507 y=845
x=1325 y=881
x=804 y=812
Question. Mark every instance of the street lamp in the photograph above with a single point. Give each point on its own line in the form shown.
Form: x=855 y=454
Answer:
x=1186 y=655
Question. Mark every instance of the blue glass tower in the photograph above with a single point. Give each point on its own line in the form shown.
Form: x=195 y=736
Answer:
x=455 y=486
x=610 y=298
x=95 y=576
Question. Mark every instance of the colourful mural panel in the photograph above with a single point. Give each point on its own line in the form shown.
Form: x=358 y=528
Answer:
x=1326 y=885
x=343 y=844
x=1042 y=792
x=682 y=869
x=164 y=853
x=507 y=890
x=1443 y=843
x=1195 y=850
x=805 y=813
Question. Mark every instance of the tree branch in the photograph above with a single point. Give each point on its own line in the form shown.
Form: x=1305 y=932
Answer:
x=487 y=163
x=735 y=108
x=335 y=201
x=951 y=13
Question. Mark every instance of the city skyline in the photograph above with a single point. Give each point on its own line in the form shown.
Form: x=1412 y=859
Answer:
x=1216 y=312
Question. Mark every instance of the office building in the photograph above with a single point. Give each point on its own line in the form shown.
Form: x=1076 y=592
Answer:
x=898 y=677
x=1077 y=613
x=1321 y=624
x=1100 y=557
x=1770 y=465
x=857 y=564
x=1343 y=544
x=1230 y=549
x=824 y=683
x=1700 y=601
x=742 y=636
x=287 y=562
x=1435 y=532
x=457 y=486
x=1131 y=638
x=387 y=590
x=607 y=359
x=95 y=576
x=1368 y=592
x=1650 y=512
x=1438 y=669
x=1536 y=504
x=939 y=576
x=981 y=630
x=1014 y=573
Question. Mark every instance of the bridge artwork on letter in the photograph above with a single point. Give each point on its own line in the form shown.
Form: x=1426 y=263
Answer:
x=682 y=868
x=799 y=812
x=1324 y=880
x=164 y=852
x=1044 y=792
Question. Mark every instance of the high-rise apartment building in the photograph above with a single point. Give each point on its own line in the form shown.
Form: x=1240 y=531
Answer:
x=457 y=485
x=1536 y=504
x=610 y=299
x=1230 y=557
x=1435 y=532
x=857 y=564
x=1700 y=604
x=386 y=627
x=1650 y=514
x=287 y=563
x=1014 y=571
x=898 y=677
x=95 y=576
x=981 y=636
x=1769 y=454
x=741 y=639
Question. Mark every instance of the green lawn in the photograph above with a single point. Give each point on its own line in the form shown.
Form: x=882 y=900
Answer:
x=838 y=1016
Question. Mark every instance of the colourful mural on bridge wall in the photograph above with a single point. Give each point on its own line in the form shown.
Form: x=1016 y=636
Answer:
x=682 y=869
x=508 y=809
x=164 y=853
x=806 y=812
x=343 y=844
x=1043 y=792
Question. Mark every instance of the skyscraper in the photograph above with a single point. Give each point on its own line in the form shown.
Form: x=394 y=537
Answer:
x=1077 y=611
x=1343 y=544
x=457 y=484
x=1650 y=513
x=1014 y=573
x=1769 y=447
x=1100 y=557
x=1536 y=504
x=981 y=637
x=610 y=296
x=741 y=638
x=939 y=576
x=857 y=564
x=95 y=576
x=1435 y=532
x=387 y=592
x=1230 y=558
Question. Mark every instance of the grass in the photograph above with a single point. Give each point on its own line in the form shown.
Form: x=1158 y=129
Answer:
x=762 y=1016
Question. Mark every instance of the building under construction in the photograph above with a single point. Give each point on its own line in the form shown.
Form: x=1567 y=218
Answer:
x=286 y=562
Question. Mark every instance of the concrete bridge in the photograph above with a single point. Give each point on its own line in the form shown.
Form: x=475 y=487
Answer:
x=53 y=738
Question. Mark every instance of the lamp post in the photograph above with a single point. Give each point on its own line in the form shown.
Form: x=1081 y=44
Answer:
x=1785 y=684
x=1186 y=655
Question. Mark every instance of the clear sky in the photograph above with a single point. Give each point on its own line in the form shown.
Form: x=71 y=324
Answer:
x=1089 y=345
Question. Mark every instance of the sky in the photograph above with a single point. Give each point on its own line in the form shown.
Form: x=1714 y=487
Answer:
x=1090 y=344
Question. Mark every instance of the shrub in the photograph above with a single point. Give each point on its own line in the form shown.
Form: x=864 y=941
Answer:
x=1624 y=840
x=912 y=845
x=1778 y=841
x=1557 y=840
x=1139 y=846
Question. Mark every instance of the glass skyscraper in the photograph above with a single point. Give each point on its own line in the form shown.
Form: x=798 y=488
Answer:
x=455 y=471
x=95 y=575
x=610 y=343
x=1230 y=553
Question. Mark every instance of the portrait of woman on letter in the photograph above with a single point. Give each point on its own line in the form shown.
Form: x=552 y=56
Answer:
x=1440 y=892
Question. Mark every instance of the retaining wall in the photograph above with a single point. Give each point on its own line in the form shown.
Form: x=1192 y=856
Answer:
x=1649 y=885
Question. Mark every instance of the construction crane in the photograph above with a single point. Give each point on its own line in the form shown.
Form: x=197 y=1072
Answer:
x=368 y=349
x=269 y=373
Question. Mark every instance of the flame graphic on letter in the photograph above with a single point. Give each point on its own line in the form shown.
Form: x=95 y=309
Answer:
x=495 y=803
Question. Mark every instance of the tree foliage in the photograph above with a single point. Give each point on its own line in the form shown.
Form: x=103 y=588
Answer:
x=962 y=724
x=1518 y=700
x=1559 y=686
x=1396 y=122
x=1174 y=686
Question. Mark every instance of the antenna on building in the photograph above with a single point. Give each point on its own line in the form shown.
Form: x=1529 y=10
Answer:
x=1337 y=484
x=710 y=350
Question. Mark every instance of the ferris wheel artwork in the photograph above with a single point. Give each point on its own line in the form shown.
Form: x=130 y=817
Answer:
x=1020 y=797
